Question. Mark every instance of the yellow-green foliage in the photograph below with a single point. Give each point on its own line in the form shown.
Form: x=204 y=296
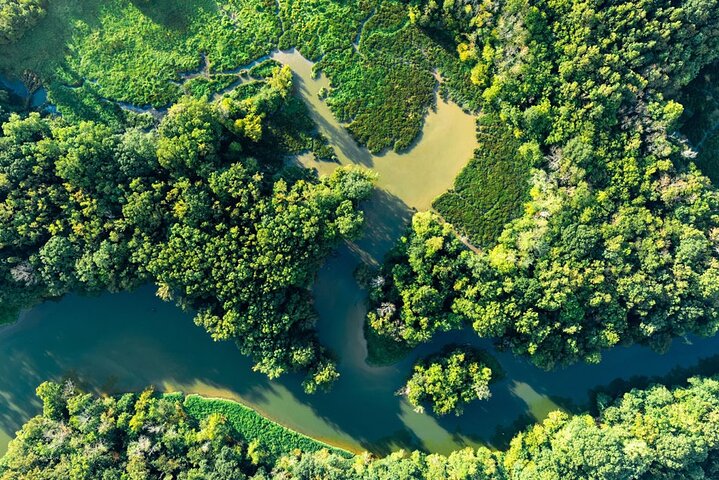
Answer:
x=657 y=433
x=136 y=55
x=274 y=438
x=317 y=27
x=380 y=64
x=384 y=86
x=17 y=16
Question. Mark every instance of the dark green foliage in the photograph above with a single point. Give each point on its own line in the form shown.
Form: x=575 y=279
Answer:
x=412 y=296
x=383 y=86
x=383 y=350
x=205 y=87
x=618 y=242
x=318 y=27
x=448 y=381
x=263 y=69
x=652 y=434
x=18 y=16
x=491 y=189
x=700 y=121
x=200 y=205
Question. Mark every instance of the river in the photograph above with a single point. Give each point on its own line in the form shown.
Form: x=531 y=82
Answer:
x=120 y=342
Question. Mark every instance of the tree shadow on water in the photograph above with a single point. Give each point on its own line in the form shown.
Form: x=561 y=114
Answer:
x=678 y=376
x=386 y=220
x=115 y=343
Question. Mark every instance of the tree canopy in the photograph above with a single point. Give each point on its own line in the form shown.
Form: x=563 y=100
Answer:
x=448 y=381
x=618 y=241
x=201 y=206
x=18 y=16
x=656 y=433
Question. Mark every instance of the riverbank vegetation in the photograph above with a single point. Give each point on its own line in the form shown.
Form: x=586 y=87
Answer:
x=202 y=206
x=384 y=85
x=618 y=241
x=657 y=433
x=448 y=381
x=145 y=436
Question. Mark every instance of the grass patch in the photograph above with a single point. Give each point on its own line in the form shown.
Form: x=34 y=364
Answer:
x=380 y=65
x=383 y=88
x=84 y=103
x=264 y=69
x=275 y=438
x=491 y=189
x=135 y=51
x=205 y=87
x=136 y=59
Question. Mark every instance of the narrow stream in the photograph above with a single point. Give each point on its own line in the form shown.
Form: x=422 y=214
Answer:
x=120 y=342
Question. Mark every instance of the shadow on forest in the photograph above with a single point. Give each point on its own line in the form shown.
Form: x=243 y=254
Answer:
x=173 y=14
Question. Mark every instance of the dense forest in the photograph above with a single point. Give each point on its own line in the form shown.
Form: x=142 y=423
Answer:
x=18 y=16
x=617 y=243
x=201 y=205
x=586 y=220
x=657 y=433
x=380 y=63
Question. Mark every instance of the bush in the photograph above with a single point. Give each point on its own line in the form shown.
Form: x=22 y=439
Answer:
x=448 y=381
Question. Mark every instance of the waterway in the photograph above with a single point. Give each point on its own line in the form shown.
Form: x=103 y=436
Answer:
x=17 y=88
x=120 y=342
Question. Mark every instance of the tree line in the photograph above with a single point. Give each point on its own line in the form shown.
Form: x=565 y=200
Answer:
x=652 y=434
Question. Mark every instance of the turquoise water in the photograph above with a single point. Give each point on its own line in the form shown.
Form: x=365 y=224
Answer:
x=119 y=342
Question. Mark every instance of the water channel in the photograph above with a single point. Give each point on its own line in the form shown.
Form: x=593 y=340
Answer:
x=120 y=342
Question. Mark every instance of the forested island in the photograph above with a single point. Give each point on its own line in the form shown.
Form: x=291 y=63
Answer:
x=173 y=143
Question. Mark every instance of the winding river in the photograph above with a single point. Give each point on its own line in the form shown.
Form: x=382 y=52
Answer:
x=119 y=342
